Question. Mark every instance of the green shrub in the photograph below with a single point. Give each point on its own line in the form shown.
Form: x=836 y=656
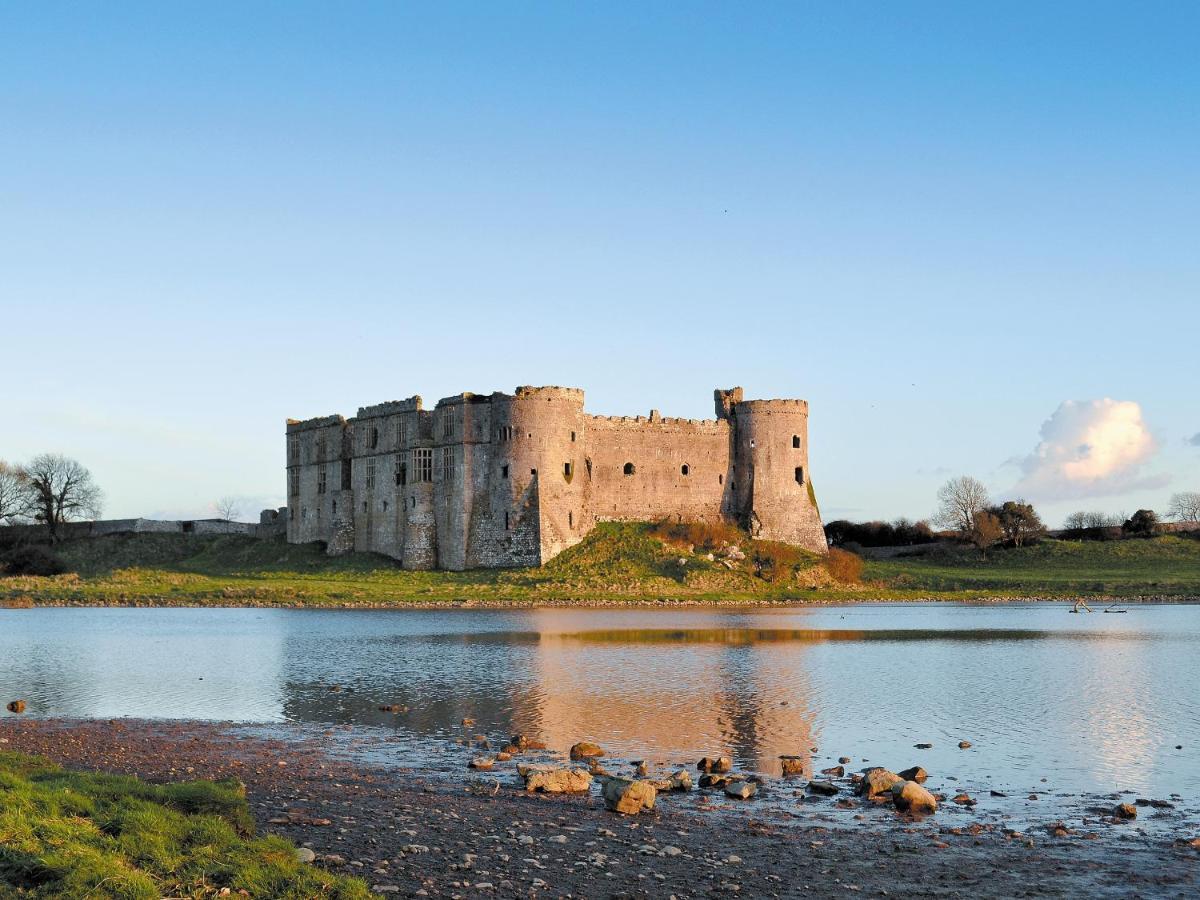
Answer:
x=31 y=559
x=843 y=566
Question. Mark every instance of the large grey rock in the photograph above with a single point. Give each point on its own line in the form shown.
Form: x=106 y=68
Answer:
x=911 y=797
x=586 y=750
x=792 y=766
x=628 y=796
x=741 y=790
x=877 y=781
x=551 y=780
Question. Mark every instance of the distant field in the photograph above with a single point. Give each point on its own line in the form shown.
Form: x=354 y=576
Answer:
x=1165 y=565
x=617 y=562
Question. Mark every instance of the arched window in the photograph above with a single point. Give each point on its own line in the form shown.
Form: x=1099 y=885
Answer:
x=685 y=469
x=795 y=442
x=629 y=469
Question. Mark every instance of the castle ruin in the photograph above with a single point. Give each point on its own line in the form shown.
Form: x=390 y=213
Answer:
x=485 y=481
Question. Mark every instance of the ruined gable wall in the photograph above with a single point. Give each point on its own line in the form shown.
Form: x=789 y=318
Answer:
x=658 y=449
x=314 y=444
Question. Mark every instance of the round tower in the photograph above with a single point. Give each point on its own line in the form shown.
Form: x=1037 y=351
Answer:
x=541 y=469
x=773 y=486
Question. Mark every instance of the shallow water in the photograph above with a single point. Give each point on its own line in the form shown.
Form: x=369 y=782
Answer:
x=1092 y=703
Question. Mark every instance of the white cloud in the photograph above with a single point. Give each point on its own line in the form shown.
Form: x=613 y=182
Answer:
x=1089 y=448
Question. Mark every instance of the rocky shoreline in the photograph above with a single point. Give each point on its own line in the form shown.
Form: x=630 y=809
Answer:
x=413 y=833
x=1098 y=601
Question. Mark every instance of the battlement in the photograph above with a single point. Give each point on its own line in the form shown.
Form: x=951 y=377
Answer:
x=767 y=406
x=549 y=392
x=295 y=425
x=390 y=408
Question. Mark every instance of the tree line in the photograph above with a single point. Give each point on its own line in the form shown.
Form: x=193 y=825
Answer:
x=51 y=490
x=967 y=513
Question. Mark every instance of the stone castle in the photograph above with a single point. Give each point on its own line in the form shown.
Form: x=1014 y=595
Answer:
x=484 y=481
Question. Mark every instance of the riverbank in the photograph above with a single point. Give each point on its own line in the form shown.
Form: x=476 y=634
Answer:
x=618 y=564
x=410 y=834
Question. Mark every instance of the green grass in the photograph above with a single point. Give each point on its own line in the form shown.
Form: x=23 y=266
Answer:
x=76 y=835
x=629 y=561
x=1168 y=566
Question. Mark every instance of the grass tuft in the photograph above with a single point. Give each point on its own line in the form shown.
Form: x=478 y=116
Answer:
x=76 y=835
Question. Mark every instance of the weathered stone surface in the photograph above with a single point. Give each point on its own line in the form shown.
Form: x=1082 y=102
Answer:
x=877 y=781
x=913 y=798
x=741 y=790
x=916 y=773
x=1125 y=811
x=826 y=788
x=514 y=479
x=628 y=796
x=715 y=764
x=834 y=771
x=551 y=780
x=792 y=766
x=586 y=750
x=680 y=780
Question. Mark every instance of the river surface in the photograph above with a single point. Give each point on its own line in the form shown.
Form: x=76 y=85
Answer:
x=1093 y=703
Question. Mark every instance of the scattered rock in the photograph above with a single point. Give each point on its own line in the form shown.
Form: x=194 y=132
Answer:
x=792 y=766
x=468 y=723
x=680 y=780
x=639 y=768
x=844 y=760
x=1059 y=829
x=964 y=745
x=551 y=780
x=964 y=800
x=876 y=782
x=586 y=750
x=715 y=764
x=916 y=773
x=305 y=855
x=835 y=771
x=481 y=762
x=1125 y=811
x=628 y=796
x=826 y=788
x=910 y=797
x=393 y=708
x=16 y=706
x=741 y=790
x=714 y=780
x=923 y=746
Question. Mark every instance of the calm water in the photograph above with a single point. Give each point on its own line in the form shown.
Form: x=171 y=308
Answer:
x=1091 y=702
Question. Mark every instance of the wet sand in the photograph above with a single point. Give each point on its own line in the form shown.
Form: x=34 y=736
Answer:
x=409 y=834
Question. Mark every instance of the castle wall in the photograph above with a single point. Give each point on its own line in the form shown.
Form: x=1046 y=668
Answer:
x=513 y=480
x=679 y=468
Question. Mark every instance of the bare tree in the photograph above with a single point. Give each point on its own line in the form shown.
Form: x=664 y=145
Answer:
x=228 y=508
x=60 y=490
x=14 y=494
x=1185 y=507
x=959 y=500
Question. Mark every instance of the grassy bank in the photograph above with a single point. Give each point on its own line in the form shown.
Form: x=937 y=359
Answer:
x=79 y=835
x=616 y=562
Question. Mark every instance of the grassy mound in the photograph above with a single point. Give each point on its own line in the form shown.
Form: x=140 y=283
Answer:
x=79 y=835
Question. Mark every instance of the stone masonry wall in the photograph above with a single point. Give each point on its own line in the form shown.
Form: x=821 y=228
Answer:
x=509 y=480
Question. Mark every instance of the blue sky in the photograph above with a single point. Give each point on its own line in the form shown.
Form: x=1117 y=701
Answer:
x=938 y=222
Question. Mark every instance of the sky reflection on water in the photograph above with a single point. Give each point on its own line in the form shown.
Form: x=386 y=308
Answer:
x=1090 y=702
